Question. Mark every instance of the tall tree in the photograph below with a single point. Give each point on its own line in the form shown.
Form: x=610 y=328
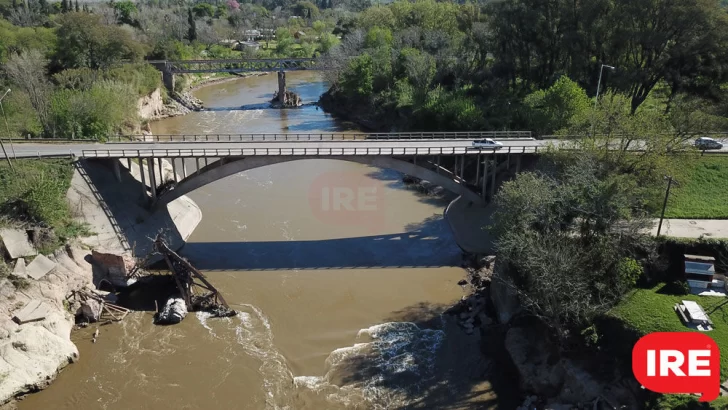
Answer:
x=192 y=33
x=77 y=8
x=27 y=71
x=64 y=6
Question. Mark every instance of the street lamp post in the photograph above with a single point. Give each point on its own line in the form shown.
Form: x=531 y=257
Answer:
x=599 y=85
x=10 y=164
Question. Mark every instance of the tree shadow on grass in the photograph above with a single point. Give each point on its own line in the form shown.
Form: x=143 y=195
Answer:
x=426 y=361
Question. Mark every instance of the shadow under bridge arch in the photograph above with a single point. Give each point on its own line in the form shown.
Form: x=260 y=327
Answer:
x=230 y=166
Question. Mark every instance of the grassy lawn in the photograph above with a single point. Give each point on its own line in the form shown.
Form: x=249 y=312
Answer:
x=703 y=190
x=651 y=310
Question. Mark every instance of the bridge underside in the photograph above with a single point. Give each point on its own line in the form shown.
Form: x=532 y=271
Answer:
x=472 y=177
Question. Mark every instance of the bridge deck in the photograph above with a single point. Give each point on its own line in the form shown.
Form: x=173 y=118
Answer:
x=318 y=152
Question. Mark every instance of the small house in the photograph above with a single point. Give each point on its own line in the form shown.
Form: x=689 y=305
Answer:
x=700 y=272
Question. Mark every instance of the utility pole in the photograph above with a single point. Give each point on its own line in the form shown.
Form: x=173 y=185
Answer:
x=10 y=164
x=664 y=204
x=599 y=85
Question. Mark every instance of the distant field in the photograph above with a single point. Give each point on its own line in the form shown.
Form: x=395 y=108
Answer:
x=702 y=191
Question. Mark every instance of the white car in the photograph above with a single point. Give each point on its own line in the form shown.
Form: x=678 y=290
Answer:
x=707 y=143
x=487 y=143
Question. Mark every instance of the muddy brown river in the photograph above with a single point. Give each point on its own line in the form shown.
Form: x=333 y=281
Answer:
x=335 y=312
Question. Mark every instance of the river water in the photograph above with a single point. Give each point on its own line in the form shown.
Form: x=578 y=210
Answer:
x=334 y=311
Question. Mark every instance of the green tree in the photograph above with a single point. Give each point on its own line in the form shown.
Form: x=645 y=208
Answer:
x=358 y=78
x=306 y=9
x=84 y=41
x=556 y=242
x=378 y=37
x=192 y=31
x=78 y=10
x=125 y=11
x=203 y=10
x=552 y=109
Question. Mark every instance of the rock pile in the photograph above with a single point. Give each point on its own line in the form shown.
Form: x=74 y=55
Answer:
x=188 y=101
x=290 y=100
x=471 y=312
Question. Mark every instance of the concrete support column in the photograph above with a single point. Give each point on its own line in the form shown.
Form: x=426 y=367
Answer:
x=168 y=80
x=161 y=176
x=518 y=163
x=462 y=167
x=438 y=164
x=282 y=87
x=144 y=182
x=184 y=169
x=197 y=161
x=484 y=192
x=117 y=169
x=477 y=170
x=128 y=164
x=152 y=178
x=174 y=169
x=492 y=178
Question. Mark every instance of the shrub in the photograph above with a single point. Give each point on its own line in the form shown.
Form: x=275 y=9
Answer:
x=97 y=112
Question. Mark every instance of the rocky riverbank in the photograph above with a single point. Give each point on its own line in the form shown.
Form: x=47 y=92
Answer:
x=32 y=353
x=546 y=377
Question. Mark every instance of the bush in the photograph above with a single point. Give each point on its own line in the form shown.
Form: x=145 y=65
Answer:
x=36 y=192
x=97 y=112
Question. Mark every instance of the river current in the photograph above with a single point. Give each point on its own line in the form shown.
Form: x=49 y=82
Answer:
x=333 y=313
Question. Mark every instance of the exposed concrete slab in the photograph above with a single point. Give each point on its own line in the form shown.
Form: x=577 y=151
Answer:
x=468 y=222
x=20 y=269
x=17 y=243
x=40 y=267
x=33 y=311
x=116 y=212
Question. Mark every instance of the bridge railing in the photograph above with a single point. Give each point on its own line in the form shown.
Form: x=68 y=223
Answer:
x=322 y=152
x=499 y=135
x=240 y=65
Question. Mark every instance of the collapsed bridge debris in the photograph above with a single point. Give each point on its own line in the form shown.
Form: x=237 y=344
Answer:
x=196 y=292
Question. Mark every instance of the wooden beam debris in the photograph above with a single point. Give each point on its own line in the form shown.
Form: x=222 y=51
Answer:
x=196 y=291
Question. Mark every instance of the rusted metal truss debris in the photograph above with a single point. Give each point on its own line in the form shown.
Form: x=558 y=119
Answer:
x=197 y=292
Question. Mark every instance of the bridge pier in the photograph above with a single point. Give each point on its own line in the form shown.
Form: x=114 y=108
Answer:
x=484 y=192
x=152 y=179
x=168 y=79
x=117 y=169
x=282 y=87
x=492 y=177
x=144 y=182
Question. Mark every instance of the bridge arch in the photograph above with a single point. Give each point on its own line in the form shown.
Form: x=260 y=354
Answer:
x=231 y=166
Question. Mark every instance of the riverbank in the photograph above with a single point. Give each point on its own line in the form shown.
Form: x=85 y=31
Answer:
x=33 y=353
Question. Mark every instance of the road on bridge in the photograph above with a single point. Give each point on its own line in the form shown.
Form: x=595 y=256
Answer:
x=27 y=150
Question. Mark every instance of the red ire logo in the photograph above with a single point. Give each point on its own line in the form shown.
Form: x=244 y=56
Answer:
x=678 y=362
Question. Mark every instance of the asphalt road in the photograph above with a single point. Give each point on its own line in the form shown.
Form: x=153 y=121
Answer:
x=248 y=148
x=175 y=149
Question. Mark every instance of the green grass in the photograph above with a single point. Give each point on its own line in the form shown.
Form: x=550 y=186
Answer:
x=651 y=310
x=702 y=191
x=34 y=195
